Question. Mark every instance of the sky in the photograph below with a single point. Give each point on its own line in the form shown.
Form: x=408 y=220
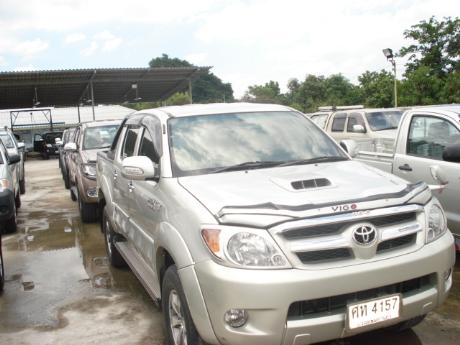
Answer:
x=246 y=42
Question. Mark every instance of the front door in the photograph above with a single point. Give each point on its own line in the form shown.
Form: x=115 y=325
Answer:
x=427 y=138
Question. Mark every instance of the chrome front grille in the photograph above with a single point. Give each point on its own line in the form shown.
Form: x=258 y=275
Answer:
x=329 y=240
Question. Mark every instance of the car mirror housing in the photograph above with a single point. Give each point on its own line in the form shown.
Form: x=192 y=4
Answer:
x=359 y=129
x=350 y=147
x=21 y=145
x=138 y=168
x=14 y=158
x=70 y=147
x=451 y=153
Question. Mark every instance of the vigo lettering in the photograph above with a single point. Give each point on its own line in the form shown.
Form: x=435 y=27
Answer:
x=343 y=208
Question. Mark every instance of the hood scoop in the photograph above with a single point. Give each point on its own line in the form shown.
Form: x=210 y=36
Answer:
x=312 y=183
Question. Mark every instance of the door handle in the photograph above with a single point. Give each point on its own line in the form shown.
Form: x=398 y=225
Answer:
x=405 y=167
x=130 y=186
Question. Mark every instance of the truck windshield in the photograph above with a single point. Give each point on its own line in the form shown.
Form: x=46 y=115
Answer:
x=99 y=137
x=382 y=120
x=205 y=144
x=7 y=141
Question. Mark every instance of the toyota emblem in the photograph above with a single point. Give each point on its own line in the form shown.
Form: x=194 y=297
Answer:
x=365 y=234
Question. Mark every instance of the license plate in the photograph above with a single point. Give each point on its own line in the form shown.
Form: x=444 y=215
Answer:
x=374 y=311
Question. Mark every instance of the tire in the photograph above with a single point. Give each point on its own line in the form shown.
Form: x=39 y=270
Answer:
x=17 y=201
x=175 y=306
x=88 y=212
x=45 y=155
x=72 y=195
x=408 y=324
x=10 y=225
x=22 y=186
x=2 y=268
x=66 y=181
x=113 y=255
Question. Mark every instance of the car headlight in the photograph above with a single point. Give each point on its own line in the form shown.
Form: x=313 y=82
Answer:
x=241 y=247
x=49 y=145
x=436 y=221
x=89 y=170
x=4 y=184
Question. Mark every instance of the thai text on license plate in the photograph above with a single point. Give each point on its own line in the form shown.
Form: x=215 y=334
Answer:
x=373 y=311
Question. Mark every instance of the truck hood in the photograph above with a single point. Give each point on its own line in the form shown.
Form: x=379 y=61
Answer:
x=266 y=196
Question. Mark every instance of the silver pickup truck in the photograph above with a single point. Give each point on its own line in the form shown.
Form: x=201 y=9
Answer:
x=427 y=149
x=249 y=225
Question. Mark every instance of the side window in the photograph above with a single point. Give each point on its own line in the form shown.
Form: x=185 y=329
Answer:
x=339 y=122
x=355 y=119
x=428 y=136
x=147 y=148
x=130 y=142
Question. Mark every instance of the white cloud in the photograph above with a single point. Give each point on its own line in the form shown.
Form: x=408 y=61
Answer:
x=25 y=49
x=197 y=58
x=2 y=61
x=74 y=38
x=90 y=50
x=25 y=68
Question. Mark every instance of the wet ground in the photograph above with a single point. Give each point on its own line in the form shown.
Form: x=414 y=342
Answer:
x=59 y=288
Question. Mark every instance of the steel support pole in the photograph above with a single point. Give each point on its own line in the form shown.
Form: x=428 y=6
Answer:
x=190 y=90
x=92 y=99
x=78 y=110
x=395 y=83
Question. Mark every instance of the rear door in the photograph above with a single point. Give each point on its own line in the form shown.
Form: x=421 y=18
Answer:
x=428 y=135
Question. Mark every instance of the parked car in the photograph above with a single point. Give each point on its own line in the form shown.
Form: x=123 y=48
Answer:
x=47 y=144
x=10 y=198
x=427 y=149
x=15 y=148
x=2 y=267
x=249 y=225
x=90 y=138
x=364 y=124
x=67 y=137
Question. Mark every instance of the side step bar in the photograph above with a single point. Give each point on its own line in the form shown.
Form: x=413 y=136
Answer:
x=143 y=272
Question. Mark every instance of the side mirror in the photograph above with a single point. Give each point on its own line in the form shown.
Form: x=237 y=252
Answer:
x=138 y=168
x=451 y=153
x=14 y=158
x=58 y=141
x=70 y=147
x=350 y=146
x=21 y=146
x=359 y=129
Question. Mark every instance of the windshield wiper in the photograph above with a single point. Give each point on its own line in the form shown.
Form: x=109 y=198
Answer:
x=246 y=165
x=314 y=160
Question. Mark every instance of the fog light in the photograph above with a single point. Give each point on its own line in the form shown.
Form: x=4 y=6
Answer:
x=447 y=274
x=236 y=317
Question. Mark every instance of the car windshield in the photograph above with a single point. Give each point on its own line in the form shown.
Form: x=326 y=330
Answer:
x=214 y=143
x=382 y=120
x=7 y=141
x=99 y=137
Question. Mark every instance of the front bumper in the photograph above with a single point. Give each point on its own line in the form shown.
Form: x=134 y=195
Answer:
x=87 y=190
x=267 y=295
x=6 y=205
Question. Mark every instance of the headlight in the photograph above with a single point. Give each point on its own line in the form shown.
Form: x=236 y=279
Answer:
x=248 y=248
x=436 y=221
x=89 y=170
x=49 y=145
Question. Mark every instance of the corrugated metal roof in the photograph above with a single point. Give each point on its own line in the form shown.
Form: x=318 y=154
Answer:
x=110 y=85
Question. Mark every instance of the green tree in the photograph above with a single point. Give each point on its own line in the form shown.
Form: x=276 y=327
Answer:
x=267 y=93
x=437 y=46
x=377 y=89
x=420 y=87
x=206 y=88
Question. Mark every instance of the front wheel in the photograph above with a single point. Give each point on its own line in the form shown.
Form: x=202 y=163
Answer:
x=180 y=328
x=10 y=225
x=22 y=186
x=88 y=212
x=114 y=256
x=2 y=269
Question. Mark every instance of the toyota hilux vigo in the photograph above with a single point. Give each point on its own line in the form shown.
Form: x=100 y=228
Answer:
x=89 y=138
x=249 y=225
